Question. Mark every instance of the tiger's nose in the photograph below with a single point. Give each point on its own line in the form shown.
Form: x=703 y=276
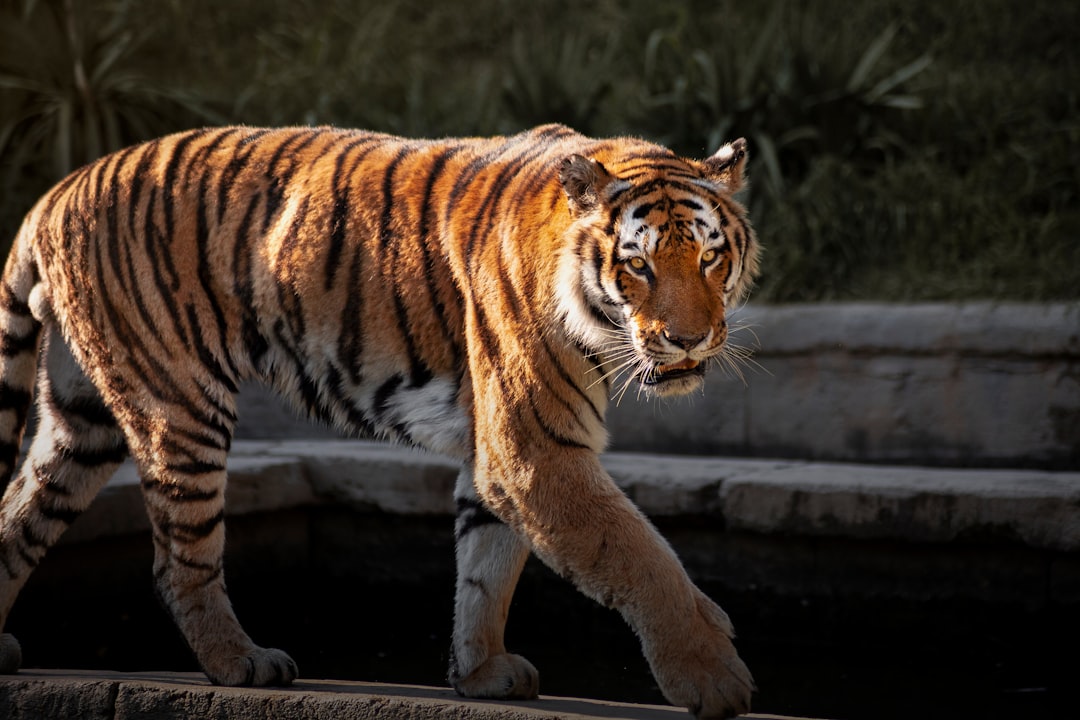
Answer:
x=685 y=341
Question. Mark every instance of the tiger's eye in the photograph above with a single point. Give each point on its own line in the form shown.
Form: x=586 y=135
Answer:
x=638 y=263
x=708 y=256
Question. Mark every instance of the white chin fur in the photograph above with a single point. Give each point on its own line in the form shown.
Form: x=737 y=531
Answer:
x=674 y=387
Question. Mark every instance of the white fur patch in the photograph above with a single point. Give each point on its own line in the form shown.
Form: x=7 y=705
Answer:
x=570 y=296
x=432 y=416
x=40 y=307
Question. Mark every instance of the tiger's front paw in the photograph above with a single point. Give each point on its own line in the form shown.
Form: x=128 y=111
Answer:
x=698 y=668
x=258 y=667
x=501 y=677
x=10 y=654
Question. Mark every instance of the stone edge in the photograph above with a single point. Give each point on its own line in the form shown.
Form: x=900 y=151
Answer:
x=105 y=695
x=1034 y=508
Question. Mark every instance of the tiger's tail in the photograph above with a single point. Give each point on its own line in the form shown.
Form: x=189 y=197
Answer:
x=20 y=335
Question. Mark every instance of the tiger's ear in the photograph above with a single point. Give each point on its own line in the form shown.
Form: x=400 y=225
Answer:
x=728 y=165
x=582 y=179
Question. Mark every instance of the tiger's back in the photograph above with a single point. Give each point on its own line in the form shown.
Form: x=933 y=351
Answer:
x=413 y=290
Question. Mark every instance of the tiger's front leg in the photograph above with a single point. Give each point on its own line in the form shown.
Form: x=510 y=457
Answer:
x=490 y=556
x=578 y=522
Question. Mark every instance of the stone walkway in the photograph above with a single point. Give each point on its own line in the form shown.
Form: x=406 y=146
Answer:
x=62 y=694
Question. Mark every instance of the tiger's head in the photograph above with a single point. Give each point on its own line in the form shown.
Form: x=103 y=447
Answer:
x=657 y=253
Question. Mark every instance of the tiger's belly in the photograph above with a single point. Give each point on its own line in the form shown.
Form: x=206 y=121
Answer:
x=428 y=415
x=424 y=411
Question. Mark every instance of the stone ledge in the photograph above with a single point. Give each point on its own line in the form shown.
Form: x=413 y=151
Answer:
x=986 y=329
x=1034 y=508
x=100 y=695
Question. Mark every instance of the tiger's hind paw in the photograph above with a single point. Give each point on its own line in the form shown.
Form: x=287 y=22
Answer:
x=259 y=667
x=501 y=677
x=10 y=654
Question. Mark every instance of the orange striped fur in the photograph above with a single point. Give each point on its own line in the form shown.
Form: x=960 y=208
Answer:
x=483 y=298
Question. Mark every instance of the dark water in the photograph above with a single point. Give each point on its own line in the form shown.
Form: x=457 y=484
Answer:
x=371 y=599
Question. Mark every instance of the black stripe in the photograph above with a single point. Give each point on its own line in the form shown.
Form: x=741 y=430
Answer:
x=58 y=191
x=598 y=315
x=195 y=467
x=202 y=240
x=178 y=493
x=94 y=457
x=339 y=215
x=12 y=345
x=553 y=434
x=243 y=149
x=15 y=399
x=255 y=342
x=279 y=179
x=46 y=478
x=139 y=176
x=384 y=392
x=88 y=408
x=116 y=164
x=339 y=219
x=598 y=273
x=511 y=167
x=7 y=566
x=386 y=235
x=207 y=357
x=222 y=442
x=357 y=423
x=351 y=342
x=463 y=182
x=489 y=343
x=435 y=172
x=214 y=568
x=309 y=392
x=9 y=453
x=159 y=381
x=564 y=375
x=489 y=340
x=168 y=192
x=30 y=561
x=472 y=514
x=157 y=378
x=419 y=372
x=153 y=242
x=291 y=311
x=191 y=532
x=31 y=539
x=60 y=514
x=11 y=303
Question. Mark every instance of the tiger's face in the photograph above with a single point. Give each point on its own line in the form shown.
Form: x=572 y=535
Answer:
x=658 y=255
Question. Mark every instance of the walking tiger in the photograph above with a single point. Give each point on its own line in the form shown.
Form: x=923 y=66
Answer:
x=483 y=298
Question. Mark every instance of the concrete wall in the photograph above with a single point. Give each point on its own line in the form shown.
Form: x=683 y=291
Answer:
x=979 y=384
x=973 y=384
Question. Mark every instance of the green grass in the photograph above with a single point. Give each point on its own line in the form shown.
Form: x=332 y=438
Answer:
x=902 y=149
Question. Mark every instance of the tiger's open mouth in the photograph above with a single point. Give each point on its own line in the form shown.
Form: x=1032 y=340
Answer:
x=674 y=371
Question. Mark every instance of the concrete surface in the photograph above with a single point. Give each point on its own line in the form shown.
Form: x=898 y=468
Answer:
x=973 y=384
x=1035 y=508
x=57 y=694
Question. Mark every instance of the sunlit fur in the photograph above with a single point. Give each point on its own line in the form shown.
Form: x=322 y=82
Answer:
x=483 y=298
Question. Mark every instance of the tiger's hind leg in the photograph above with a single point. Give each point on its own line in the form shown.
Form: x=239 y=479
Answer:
x=490 y=557
x=181 y=458
x=76 y=449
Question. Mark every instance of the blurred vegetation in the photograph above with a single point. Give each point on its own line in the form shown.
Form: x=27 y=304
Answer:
x=902 y=149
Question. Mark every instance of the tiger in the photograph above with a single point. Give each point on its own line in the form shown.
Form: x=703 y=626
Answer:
x=483 y=298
